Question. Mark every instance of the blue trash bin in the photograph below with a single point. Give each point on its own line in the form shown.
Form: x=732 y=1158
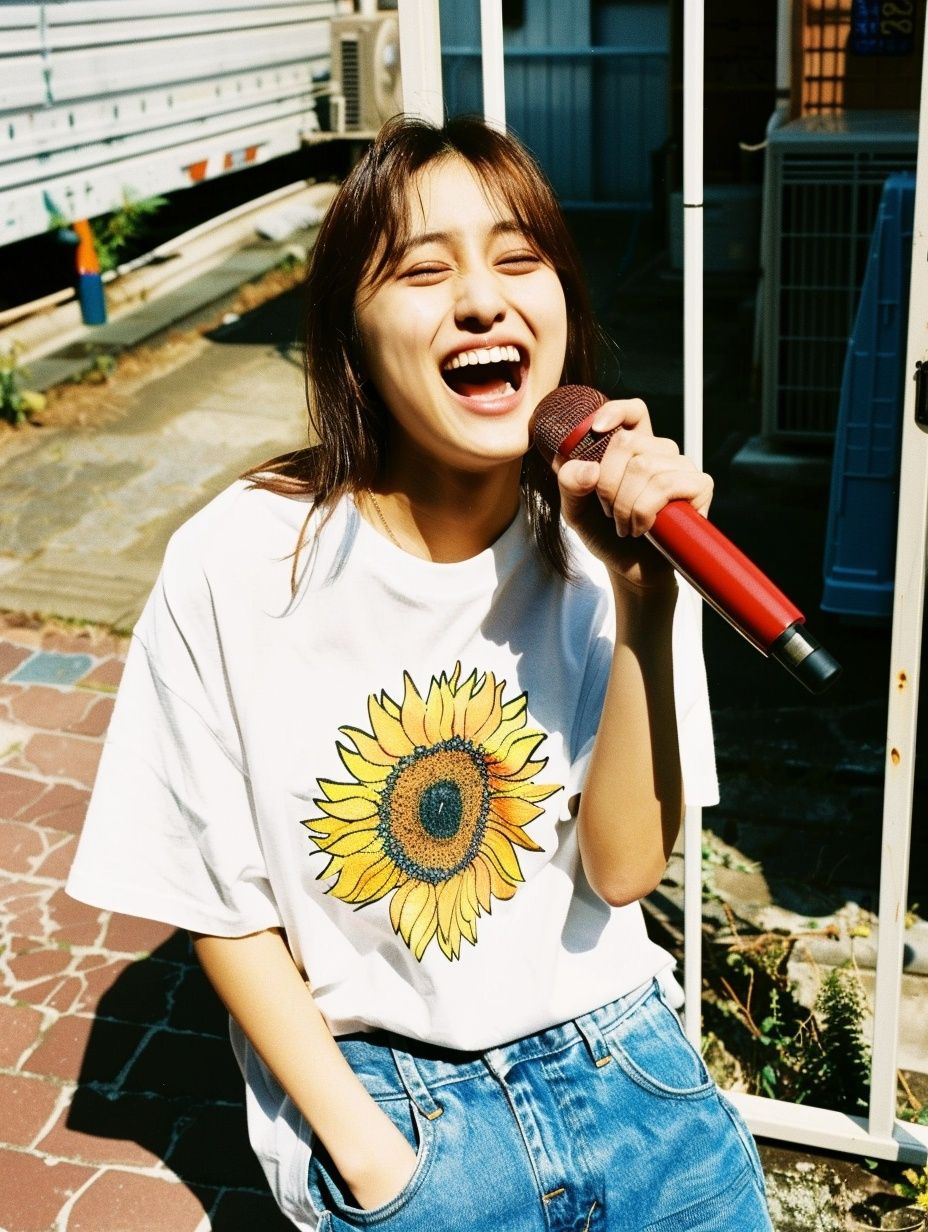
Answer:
x=860 y=548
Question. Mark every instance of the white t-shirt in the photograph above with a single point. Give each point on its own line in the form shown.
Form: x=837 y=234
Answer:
x=381 y=766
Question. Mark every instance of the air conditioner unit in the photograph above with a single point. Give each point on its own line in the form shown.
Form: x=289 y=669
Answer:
x=367 y=88
x=824 y=179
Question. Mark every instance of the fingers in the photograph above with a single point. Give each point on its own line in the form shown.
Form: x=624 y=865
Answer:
x=638 y=475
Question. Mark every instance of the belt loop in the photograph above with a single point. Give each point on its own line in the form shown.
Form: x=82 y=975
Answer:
x=588 y=1027
x=415 y=1087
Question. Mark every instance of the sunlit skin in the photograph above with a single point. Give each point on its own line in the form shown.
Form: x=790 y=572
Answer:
x=470 y=279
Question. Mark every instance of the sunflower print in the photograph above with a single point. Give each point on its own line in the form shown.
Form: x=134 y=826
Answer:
x=440 y=796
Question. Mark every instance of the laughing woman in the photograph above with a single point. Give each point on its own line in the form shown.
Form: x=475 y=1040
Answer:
x=404 y=737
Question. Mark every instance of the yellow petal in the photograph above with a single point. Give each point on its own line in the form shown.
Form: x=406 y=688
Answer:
x=371 y=750
x=498 y=851
x=388 y=730
x=517 y=706
x=450 y=945
x=390 y=706
x=398 y=901
x=514 y=835
x=361 y=768
x=462 y=696
x=513 y=810
x=527 y=791
x=419 y=919
x=413 y=713
x=483 y=884
x=379 y=880
x=509 y=731
x=493 y=719
x=502 y=888
x=354 y=809
x=505 y=775
x=481 y=705
x=353 y=841
x=324 y=825
x=433 y=714
x=416 y=901
x=344 y=791
x=516 y=751
x=447 y=899
x=470 y=907
x=447 y=708
x=355 y=867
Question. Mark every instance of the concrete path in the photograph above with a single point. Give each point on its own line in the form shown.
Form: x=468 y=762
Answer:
x=85 y=516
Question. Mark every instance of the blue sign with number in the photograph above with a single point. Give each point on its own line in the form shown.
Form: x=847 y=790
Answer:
x=882 y=27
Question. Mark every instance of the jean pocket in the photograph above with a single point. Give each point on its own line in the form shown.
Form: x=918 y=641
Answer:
x=747 y=1141
x=652 y=1050
x=334 y=1196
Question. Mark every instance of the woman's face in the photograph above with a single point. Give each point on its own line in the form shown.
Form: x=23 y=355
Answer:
x=468 y=332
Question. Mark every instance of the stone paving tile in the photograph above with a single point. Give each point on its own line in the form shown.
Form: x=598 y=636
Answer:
x=121 y=1201
x=50 y=668
x=28 y=1104
x=116 y=1076
x=33 y=1189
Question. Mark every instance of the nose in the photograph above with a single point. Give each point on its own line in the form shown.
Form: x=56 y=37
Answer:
x=479 y=303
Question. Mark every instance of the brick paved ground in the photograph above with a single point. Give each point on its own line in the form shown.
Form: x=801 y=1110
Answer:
x=121 y=1103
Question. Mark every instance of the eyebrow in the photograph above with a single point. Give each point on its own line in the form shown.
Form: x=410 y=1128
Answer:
x=507 y=226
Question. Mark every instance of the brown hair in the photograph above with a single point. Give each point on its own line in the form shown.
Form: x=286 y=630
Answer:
x=360 y=239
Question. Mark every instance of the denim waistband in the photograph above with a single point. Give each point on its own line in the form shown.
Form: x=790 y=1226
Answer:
x=382 y=1053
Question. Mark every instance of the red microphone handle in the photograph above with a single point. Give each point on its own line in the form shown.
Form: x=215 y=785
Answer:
x=563 y=424
x=723 y=575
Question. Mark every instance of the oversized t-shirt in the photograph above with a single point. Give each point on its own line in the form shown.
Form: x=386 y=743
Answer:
x=381 y=764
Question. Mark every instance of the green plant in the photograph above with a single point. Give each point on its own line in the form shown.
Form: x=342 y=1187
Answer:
x=783 y=1049
x=113 y=232
x=16 y=402
x=100 y=368
x=914 y=1186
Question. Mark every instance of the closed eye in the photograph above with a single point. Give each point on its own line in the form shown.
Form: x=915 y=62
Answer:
x=520 y=262
x=425 y=273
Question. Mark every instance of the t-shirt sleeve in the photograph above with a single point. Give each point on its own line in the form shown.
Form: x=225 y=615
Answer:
x=691 y=699
x=170 y=832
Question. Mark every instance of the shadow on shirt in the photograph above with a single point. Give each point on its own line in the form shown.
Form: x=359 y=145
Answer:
x=159 y=1071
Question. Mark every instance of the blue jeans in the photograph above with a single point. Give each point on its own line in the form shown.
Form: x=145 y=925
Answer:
x=608 y=1123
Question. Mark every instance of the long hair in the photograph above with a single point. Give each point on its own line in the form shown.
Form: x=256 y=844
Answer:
x=359 y=241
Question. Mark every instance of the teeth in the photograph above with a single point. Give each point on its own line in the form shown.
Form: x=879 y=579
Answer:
x=486 y=355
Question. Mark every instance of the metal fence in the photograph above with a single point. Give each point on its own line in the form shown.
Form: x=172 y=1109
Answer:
x=880 y=1134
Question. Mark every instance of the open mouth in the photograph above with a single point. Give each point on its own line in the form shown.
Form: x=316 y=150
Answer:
x=486 y=372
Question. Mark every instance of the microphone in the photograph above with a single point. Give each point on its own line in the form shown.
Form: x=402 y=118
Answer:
x=723 y=575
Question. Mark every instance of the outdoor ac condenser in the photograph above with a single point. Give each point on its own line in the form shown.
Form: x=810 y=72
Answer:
x=824 y=178
x=367 y=88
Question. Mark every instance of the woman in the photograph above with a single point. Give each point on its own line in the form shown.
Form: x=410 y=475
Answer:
x=353 y=770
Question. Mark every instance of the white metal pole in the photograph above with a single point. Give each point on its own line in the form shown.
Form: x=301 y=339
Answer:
x=420 y=59
x=491 y=48
x=911 y=543
x=693 y=96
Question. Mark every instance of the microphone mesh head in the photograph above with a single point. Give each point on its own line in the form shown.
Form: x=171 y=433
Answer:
x=559 y=413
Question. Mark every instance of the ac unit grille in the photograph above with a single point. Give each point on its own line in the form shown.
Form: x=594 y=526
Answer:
x=824 y=208
x=351 y=82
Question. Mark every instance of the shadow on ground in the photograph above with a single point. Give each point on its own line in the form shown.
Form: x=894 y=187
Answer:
x=159 y=1071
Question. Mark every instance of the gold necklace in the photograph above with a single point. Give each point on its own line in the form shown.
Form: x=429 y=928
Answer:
x=383 y=521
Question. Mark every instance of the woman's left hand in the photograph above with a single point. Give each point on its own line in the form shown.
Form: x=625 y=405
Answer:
x=611 y=504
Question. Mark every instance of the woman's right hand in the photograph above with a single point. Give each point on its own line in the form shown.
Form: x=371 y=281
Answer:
x=392 y=1164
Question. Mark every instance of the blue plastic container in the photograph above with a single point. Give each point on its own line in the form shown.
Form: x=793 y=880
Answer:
x=860 y=548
